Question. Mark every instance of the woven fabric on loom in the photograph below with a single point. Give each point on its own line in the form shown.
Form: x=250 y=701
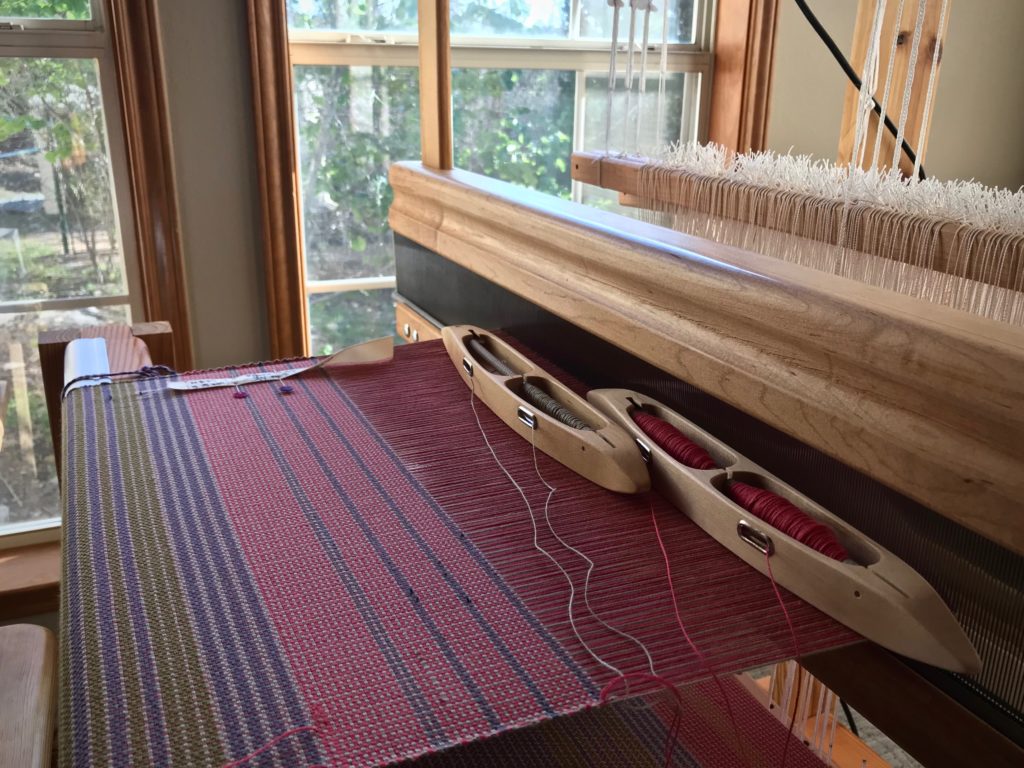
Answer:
x=349 y=557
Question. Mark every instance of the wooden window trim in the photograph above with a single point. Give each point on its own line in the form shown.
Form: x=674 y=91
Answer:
x=144 y=115
x=744 y=57
x=278 y=178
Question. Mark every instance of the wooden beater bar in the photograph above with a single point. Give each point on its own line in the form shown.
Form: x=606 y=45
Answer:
x=623 y=175
x=920 y=397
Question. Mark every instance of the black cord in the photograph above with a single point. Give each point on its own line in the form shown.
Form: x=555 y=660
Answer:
x=849 y=717
x=841 y=59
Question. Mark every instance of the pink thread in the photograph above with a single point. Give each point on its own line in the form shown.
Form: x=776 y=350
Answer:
x=693 y=646
x=672 y=441
x=796 y=650
x=319 y=717
x=782 y=515
x=643 y=677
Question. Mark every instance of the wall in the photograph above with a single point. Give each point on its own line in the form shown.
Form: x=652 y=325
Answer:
x=979 y=104
x=209 y=91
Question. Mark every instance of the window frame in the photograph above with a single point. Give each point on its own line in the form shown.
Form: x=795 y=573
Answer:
x=582 y=56
x=122 y=36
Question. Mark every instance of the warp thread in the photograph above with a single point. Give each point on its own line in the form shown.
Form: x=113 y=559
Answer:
x=686 y=635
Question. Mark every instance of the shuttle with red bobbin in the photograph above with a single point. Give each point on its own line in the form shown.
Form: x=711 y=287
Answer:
x=872 y=591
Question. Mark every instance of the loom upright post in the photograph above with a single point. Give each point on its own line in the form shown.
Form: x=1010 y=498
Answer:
x=435 y=84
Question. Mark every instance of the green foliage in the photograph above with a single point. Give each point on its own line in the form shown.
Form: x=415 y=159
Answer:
x=53 y=105
x=46 y=9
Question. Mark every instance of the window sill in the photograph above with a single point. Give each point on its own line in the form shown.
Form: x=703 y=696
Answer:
x=29 y=580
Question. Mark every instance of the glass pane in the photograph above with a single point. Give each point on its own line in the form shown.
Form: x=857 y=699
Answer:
x=640 y=134
x=515 y=125
x=499 y=18
x=46 y=9
x=353 y=123
x=353 y=15
x=596 y=18
x=634 y=118
x=511 y=18
x=337 y=320
x=58 y=230
x=28 y=480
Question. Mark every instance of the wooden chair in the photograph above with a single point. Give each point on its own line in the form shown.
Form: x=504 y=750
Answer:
x=28 y=688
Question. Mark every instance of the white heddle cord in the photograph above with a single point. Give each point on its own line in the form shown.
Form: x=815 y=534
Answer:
x=589 y=562
x=940 y=41
x=612 y=73
x=868 y=86
x=662 y=75
x=880 y=127
x=908 y=88
x=642 y=85
x=533 y=523
x=629 y=77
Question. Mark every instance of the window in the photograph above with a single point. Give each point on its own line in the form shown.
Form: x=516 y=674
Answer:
x=529 y=85
x=67 y=249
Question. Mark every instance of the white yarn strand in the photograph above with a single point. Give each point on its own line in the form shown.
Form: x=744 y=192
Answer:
x=868 y=83
x=630 y=51
x=662 y=75
x=587 y=560
x=612 y=73
x=642 y=78
x=926 y=115
x=880 y=127
x=908 y=86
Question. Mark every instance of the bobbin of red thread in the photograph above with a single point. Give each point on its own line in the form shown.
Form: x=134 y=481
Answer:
x=784 y=516
x=672 y=441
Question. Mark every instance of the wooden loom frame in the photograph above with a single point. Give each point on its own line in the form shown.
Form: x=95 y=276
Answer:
x=858 y=372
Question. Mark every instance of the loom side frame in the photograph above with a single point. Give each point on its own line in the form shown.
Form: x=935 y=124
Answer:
x=922 y=398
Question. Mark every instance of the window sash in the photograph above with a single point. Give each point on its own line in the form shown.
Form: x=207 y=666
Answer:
x=50 y=31
x=583 y=56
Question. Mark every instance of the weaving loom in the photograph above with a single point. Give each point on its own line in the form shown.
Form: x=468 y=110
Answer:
x=313 y=559
x=855 y=335
x=338 y=571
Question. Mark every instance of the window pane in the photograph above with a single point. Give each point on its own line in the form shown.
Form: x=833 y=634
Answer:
x=337 y=320
x=644 y=110
x=28 y=480
x=58 y=230
x=515 y=125
x=498 y=18
x=678 y=123
x=512 y=18
x=46 y=9
x=353 y=123
x=353 y=15
x=596 y=22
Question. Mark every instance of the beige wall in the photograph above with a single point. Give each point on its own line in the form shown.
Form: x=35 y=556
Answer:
x=206 y=66
x=978 y=127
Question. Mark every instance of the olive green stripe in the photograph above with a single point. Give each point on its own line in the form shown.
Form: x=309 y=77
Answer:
x=65 y=730
x=93 y=632
x=128 y=653
x=189 y=718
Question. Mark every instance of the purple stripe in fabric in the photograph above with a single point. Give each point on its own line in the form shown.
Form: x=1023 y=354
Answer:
x=155 y=727
x=109 y=656
x=216 y=574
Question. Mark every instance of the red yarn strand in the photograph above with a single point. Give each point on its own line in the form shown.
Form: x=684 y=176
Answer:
x=672 y=441
x=780 y=514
